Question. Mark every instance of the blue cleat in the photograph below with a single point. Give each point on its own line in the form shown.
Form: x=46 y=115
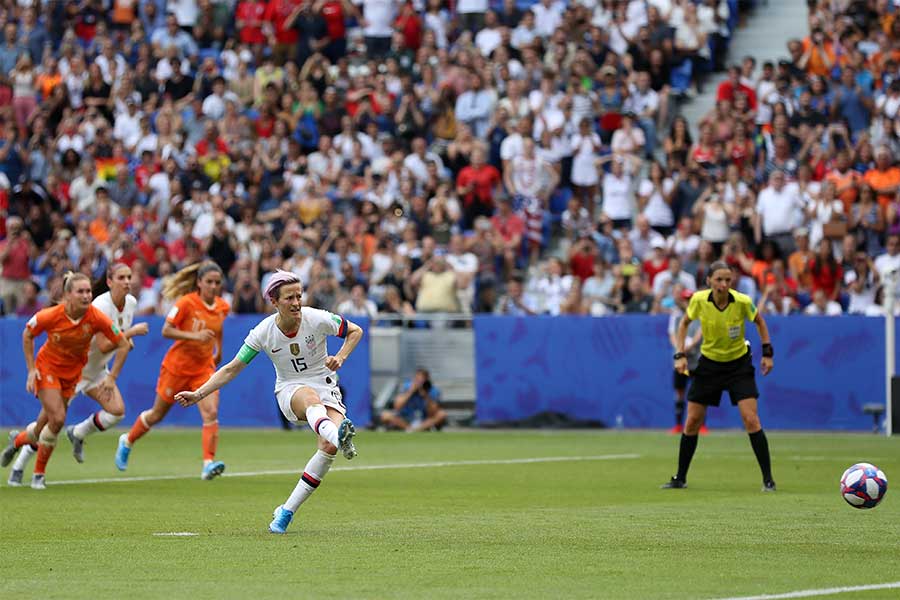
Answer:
x=282 y=518
x=122 y=452
x=212 y=470
x=346 y=431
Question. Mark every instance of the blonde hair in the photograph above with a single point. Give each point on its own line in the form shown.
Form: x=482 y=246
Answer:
x=185 y=281
x=69 y=279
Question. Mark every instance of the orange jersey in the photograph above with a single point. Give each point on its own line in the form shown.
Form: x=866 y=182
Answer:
x=190 y=313
x=882 y=179
x=66 y=351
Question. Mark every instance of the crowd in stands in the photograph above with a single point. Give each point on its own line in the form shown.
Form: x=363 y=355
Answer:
x=448 y=157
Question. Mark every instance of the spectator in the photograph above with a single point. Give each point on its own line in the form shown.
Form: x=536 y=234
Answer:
x=16 y=251
x=436 y=284
x=777 y=207
x=515 y=302
x=30 y=300
x=639 y=300
x=888 y=263
x=477 y=185
x=357 y=305
x=822 y=306
x=862 y=283
x=664 y=283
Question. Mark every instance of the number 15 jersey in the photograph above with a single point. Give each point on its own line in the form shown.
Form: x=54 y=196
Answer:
x=299 y=358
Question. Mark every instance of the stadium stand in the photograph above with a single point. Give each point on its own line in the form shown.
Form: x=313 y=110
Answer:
x=379 y=145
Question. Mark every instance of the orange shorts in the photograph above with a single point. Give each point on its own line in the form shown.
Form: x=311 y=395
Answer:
x=49 y=381
x=170 y=384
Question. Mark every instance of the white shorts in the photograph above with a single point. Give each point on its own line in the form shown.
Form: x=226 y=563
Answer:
x=85 y=384
x=330 y=395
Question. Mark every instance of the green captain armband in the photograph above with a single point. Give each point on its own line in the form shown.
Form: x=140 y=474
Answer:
x=246 y=354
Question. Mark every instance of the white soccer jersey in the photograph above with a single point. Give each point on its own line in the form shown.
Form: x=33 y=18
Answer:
x=301 y=358
x=122 y=319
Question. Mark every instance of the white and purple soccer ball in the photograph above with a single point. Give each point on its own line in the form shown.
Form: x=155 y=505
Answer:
x=863 y=485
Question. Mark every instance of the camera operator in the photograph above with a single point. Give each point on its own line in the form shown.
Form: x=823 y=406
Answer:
x=417 y=407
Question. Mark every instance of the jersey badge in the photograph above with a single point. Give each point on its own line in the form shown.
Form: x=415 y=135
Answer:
x=311 y=342
x=295 y=349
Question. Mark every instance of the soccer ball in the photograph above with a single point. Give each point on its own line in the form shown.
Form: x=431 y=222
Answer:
x=863 y=485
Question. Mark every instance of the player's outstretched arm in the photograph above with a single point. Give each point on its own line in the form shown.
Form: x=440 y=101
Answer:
x=218 y=380
x=354 y=334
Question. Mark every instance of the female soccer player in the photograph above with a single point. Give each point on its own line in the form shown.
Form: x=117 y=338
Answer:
x=305 y=380
x=117 y=304
x=725 y=364
x=54 y=374
x=195 y=323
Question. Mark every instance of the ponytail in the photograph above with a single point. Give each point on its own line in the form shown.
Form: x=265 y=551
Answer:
x=185 y=281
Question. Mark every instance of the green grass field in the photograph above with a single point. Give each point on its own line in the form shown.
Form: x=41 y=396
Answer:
x=593 y=527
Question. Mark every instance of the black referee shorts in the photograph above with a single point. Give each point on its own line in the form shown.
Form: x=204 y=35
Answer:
x=711 y=378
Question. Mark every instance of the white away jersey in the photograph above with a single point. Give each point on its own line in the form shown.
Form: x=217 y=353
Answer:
x=301 y=358
x=122 y=319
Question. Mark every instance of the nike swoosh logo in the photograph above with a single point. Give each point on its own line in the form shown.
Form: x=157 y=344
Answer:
x=276 y=350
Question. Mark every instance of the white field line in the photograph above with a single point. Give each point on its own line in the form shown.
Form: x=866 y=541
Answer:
x=423 y=465
x=822 y=592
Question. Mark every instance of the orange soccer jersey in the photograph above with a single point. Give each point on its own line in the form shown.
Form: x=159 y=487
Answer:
x=66 y=351
x=190 y=313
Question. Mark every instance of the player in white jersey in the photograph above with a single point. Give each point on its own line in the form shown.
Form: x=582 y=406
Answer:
x=118 y=305
x=305 y=379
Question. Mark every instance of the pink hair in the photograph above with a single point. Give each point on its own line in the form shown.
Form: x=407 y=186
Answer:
x=278 y=279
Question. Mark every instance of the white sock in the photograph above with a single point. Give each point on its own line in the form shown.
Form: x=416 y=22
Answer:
x=318 y=420
x=24 y=456
x=312 y=476
x=99 y=421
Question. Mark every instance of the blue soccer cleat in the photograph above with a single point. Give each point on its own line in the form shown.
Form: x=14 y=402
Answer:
x=282 y=518
x=212 y=470
x=122 y=452
x=346 y=431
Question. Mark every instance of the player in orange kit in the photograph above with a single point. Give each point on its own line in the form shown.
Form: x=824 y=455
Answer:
x=53 y=375
x=195 y=323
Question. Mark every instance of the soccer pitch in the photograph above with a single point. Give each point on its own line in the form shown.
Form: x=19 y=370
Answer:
x=575 y=514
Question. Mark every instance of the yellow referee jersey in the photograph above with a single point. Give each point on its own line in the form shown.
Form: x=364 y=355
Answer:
x=723 y=330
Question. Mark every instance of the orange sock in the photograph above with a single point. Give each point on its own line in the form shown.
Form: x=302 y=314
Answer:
x=22 y=439
x=138 y=429
x=43 y=455
x=210 y=440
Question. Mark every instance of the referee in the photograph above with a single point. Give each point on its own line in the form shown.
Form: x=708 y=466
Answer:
x=725 y=364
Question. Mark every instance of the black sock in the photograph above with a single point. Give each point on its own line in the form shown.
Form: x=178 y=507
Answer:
x=679 y=412
x=685 y=454
x=761 y=450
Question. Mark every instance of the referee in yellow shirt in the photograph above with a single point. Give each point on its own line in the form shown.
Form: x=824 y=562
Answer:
x=725 y=364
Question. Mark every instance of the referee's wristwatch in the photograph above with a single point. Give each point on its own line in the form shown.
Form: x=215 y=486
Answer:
x=679 y=355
